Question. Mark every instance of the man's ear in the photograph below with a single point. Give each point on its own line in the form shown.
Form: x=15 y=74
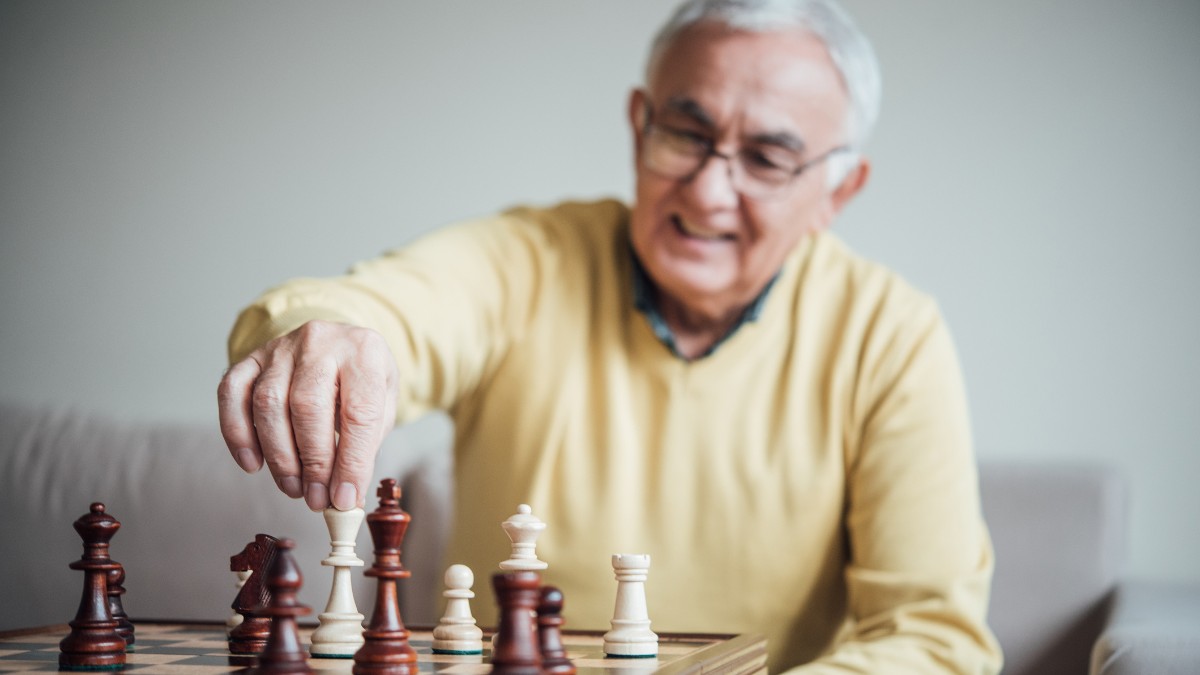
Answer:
x=637 y=120
x=841 y=195
x=851 y=185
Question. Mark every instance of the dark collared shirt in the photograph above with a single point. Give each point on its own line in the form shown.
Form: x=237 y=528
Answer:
x=644 y=294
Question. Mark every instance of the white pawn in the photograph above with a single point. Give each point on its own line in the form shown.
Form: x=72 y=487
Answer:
x=457 y=633
x=631 y=636
x=341 y=632
x=523 y=529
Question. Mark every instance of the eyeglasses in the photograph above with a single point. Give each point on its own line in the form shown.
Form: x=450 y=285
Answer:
x=756 y=172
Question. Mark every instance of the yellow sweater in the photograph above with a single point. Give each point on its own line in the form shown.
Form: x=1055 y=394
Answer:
x=812 y=479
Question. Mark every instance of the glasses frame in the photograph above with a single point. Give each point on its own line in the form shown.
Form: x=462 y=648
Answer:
x=709 y=148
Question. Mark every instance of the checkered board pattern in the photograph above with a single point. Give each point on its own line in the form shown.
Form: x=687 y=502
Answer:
x=200 y=649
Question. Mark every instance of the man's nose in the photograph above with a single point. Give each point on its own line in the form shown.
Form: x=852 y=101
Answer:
x=713 y=185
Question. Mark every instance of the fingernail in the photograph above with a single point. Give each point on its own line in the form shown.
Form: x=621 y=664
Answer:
x=290 y=486
x=345 y=497
x=248 y=460
x=316 y=497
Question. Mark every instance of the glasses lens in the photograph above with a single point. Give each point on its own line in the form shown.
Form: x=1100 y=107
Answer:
x=672 y=155
x=767 y=170
x=757 y=173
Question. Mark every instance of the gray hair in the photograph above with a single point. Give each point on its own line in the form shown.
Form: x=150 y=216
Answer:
x=849 y=49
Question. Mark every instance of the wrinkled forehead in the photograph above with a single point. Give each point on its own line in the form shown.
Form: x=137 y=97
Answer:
x=777 y=78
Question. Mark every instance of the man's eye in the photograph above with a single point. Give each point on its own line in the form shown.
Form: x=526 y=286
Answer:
x=684 y=137
x=766 y=160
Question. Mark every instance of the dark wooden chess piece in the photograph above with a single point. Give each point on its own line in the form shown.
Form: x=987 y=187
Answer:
x=94 y=643
x=250 y=636
x=549 y=628
x=516 y=651
x=283 y=654
x=385 y=649
x=116 y=588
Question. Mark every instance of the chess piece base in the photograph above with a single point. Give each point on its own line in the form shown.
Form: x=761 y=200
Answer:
x=386 y=653
x=91 y=649
x=631 y=647
x=335 y=651
x=458 y=639
x=338 y=636
x=464 y=647
x=250 y=636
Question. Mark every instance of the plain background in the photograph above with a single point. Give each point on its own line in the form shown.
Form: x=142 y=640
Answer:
x=1037 y=169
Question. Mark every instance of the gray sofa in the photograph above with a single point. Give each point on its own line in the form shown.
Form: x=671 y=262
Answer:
x=1059 y=605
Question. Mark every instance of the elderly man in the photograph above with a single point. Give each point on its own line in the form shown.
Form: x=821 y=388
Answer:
x=707 y=376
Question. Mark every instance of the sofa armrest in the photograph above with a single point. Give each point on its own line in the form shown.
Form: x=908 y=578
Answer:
x=1153 y=628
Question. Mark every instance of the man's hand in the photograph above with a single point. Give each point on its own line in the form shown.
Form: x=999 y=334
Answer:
x=315 y=404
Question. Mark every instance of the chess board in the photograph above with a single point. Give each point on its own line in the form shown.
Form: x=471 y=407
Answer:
x=200 y=649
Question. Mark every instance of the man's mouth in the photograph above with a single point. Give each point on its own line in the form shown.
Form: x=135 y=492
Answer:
x=694 y=231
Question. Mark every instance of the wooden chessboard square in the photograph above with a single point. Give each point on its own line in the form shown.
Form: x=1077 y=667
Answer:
x=11 y=650
x=28 y=657
x=196 y=665
x=39 y=640
x=31 y=653
x=625 y=665
x=197 y=646
x=143 y=658
x=679 y=647
x=18 y=666
x=467 y=669
x=168 y=632
x=461 y=659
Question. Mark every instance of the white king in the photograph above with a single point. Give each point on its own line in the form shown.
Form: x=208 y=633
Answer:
x=341 y=632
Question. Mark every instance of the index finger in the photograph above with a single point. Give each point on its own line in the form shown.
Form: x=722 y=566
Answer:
x=236 y=418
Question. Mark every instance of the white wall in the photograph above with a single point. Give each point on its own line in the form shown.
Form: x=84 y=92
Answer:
x=1037 y=165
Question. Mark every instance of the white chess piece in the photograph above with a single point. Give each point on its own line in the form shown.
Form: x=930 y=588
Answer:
x=340 y=633
x=631 y=636
x=457 y=633
x=523 y=529
x=235 y=619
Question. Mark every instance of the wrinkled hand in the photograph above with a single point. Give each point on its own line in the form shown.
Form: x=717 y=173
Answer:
x=315 y=405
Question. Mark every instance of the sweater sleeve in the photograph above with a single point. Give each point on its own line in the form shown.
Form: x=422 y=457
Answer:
x=920 y=559
x=448 y=306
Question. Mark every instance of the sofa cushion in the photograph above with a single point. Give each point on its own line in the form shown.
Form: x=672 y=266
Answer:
x=1058 y=531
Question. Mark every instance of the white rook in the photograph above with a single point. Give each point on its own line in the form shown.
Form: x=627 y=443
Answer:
x=340 y=633
x=631 y=636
